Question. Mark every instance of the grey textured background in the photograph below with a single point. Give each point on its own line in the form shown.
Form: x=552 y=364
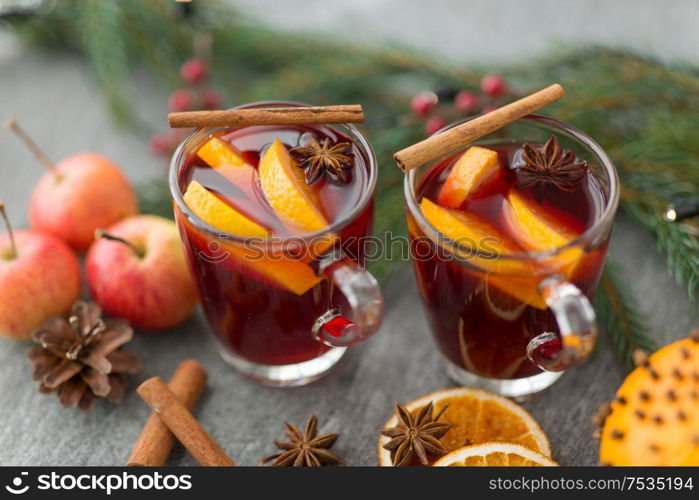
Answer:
x=54 y=98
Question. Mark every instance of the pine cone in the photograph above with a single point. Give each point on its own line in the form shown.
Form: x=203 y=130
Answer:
x=80 y=359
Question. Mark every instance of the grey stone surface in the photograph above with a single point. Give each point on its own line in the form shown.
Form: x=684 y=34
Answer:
x=54 y=98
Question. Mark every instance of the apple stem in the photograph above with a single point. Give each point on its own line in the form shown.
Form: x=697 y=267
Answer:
x=13 y=246
x=33 y=148
x=101 y=233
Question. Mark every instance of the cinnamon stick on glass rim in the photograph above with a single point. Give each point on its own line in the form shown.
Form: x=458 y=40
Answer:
x=455 y=138
x=293 y=115
x=182 y=424
x=156 y=440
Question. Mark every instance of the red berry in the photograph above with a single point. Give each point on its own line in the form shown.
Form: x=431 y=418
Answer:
x=158 y=143
x=434 y=124
x=493 y=85
x=423 y=103
x=181 y=100
x=194 y=71
x=488 y=109
x=465 y=101
x=211 y=99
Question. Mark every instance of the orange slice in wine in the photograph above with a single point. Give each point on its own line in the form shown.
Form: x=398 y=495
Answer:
x=284 y=185
x=473 y=169
x=286 y=272
x=473 y=232
x=228 y=161
x=207 y=206
x=536 y=228
x=515 y=278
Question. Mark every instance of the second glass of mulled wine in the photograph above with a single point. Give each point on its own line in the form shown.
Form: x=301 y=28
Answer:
x=273 y=219
x=508 y=240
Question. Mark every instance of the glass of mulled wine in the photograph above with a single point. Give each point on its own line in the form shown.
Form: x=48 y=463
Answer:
x=508 y=240
x=274 y=241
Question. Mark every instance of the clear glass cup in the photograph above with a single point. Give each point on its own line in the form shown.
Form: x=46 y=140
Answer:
x=271 y=332
x=489 y=334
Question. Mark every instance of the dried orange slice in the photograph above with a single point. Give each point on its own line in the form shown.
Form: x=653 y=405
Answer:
x=654 y=419
x=228 y=161
x=478 y=417
x=291 y=274
x=473 y=169
x=495 y=455
x=285 y=188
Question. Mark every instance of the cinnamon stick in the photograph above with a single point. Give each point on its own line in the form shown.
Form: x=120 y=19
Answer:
x=182 y=424
x=156 y=440
x=317 y=115
x=436 y=146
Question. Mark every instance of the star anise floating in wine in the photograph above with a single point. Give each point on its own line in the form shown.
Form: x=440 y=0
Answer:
x=324 y=158
x=304 y=450
x=538 y=166
x=81 y=358
x=416 y=436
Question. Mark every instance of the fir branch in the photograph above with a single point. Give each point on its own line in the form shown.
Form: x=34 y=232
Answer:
x=619 y=316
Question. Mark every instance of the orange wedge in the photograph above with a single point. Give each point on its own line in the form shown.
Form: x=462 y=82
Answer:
x=285 y=188
x=515 y=278
x=219 y=214
x=473 y=232
x=532 y=226
x=537 y=229
x=477 y=417
x=494 y=455
x=473 y=169
x=291 y=274
x=228 y=162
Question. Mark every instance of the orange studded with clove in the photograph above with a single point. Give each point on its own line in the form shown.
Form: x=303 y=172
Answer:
x=654 y=418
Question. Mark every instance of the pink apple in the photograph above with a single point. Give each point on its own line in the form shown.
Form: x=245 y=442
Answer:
x=39 y=277
x=81 y=193
x=143 y=278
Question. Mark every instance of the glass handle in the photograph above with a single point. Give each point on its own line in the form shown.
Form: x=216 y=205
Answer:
x=363 y=294
x=576 y=323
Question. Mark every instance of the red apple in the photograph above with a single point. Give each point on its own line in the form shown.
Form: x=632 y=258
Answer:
x=77 y=195
x=39 y=277
x=84 y=192
x=137 y=270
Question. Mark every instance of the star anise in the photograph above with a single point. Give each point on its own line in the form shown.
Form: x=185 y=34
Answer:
x=304 y=450
x=416 y=436
x=319 y=158
x=80 y=358
x=548 y=164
